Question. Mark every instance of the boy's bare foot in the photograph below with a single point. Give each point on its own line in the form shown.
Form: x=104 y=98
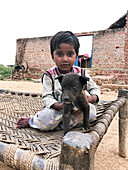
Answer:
x=23 y=122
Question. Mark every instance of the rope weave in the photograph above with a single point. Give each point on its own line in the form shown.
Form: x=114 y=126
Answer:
x=26 y=160
x=9 y=155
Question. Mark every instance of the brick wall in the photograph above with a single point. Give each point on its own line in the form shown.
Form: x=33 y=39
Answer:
x=36 y=51
x=126 y=43
x=108 y=51
x=120 y=76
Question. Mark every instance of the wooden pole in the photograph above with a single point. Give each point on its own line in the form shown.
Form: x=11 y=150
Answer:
x=123 y=125
x=77 y=152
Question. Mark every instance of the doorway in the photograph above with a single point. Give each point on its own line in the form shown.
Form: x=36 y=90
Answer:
x=84 y=58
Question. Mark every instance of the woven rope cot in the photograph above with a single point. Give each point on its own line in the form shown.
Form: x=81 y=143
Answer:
x=27 y=148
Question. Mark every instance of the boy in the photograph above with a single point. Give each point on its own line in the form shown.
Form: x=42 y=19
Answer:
x=64 y=48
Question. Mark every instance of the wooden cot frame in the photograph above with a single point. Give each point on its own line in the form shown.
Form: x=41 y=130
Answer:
x=78 y=149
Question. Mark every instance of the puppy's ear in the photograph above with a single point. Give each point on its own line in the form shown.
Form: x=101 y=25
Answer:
x=83 y=80
x=60 y=78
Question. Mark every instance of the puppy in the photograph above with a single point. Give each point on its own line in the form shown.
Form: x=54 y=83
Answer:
x=73 y=96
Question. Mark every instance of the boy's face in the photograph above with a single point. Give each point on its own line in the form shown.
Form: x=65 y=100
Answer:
x=64 y=57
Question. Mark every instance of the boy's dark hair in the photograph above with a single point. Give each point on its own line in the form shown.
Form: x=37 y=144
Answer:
x=64 y=37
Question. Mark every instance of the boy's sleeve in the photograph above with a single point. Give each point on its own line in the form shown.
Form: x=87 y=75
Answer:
x=92 y=87
x=47 y=93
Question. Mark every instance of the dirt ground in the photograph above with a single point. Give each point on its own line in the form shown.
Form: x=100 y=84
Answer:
x=106 y=156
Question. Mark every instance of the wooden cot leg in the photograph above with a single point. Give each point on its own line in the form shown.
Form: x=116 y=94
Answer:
x=77 y=152
x=123 y=125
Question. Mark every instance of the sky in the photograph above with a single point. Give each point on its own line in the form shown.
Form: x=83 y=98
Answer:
x=39 y=18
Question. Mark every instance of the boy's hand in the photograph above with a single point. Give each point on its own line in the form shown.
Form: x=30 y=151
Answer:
x=92 y=99
x=57 y=106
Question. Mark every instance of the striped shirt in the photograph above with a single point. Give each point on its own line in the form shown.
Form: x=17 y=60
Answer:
x=52 y=89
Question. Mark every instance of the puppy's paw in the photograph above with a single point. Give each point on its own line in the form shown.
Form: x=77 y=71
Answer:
x=87 y=127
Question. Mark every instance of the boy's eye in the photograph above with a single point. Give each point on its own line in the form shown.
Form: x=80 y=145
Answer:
x=70 y=54
x=59 y=54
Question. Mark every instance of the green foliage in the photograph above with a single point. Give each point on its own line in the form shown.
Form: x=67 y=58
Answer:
x=1 y=77
x=28 y=79
x=5 y=71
